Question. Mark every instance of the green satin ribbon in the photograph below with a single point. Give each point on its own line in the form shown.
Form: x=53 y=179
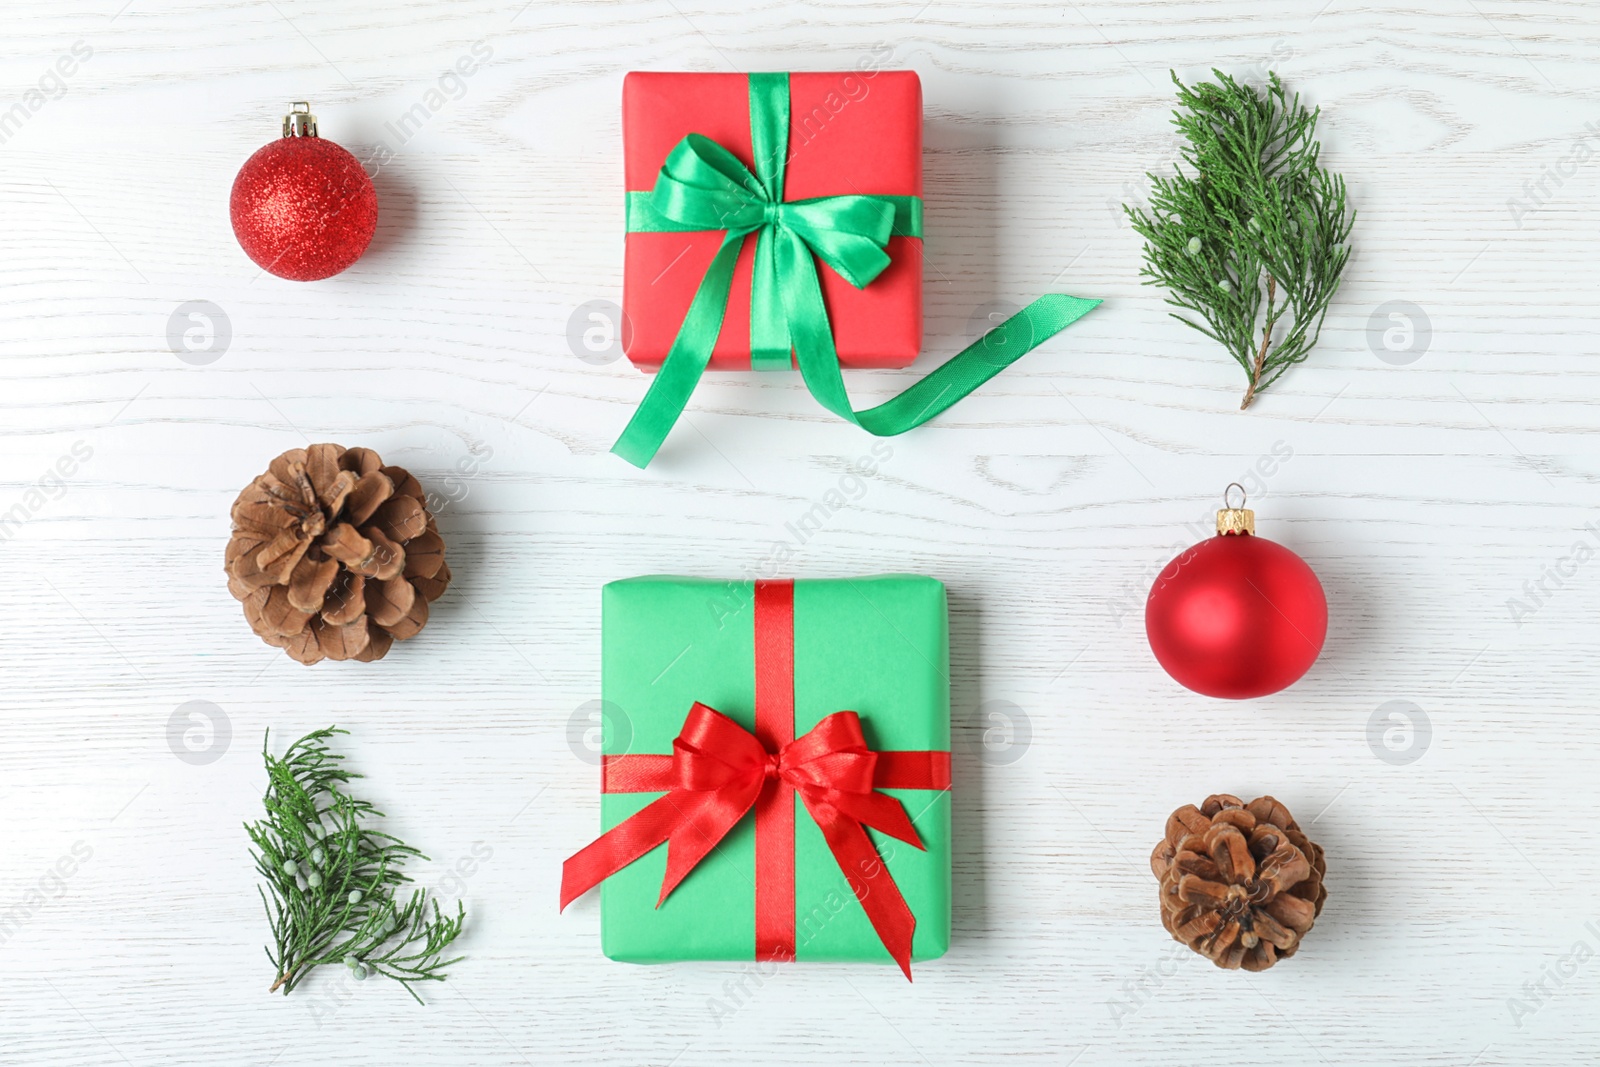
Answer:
x=703 y=186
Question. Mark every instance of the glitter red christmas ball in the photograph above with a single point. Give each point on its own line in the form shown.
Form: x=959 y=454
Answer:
x=1236 y=616
x=302 y=207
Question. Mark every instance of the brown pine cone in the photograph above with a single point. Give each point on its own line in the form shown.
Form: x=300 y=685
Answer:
x=1240 y=884
x=334 y=555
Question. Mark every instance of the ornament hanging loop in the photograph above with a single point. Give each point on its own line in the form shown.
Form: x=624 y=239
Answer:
x=300 y=122
x=1235 y=520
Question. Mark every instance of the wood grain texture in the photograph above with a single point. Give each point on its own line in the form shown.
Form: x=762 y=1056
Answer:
x=1427 y=496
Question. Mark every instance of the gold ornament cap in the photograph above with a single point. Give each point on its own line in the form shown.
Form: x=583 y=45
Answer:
x=1235 y=520
x=300 y=122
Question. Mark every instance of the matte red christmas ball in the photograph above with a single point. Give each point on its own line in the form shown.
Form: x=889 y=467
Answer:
x=302 y=207
x=1236 y=616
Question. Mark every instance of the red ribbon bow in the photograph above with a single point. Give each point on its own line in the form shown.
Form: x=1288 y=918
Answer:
x=719 y=771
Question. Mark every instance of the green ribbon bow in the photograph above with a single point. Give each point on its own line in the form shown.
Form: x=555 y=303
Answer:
x=703 y=186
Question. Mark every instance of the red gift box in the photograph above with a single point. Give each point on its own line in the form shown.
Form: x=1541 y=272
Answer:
x=849 y=132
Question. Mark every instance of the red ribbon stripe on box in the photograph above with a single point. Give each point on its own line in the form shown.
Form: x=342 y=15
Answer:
x=719 y=771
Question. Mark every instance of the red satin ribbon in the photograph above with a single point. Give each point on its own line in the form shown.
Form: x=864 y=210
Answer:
x=895 y=770
x=718 y=771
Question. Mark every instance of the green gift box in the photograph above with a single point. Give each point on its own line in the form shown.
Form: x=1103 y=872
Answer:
x=780 y=848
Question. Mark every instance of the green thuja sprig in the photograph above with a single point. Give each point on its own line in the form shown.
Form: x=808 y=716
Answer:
x=1253 y=239
x=334 y=885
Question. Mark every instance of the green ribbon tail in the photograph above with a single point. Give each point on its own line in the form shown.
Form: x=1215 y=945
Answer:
x=956 y=378
x=685 y=363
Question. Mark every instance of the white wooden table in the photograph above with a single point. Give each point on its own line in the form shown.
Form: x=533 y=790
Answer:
x=1428 y=489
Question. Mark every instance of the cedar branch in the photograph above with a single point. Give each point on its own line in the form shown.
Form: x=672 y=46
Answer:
x=1249 y=213
x=334 y=887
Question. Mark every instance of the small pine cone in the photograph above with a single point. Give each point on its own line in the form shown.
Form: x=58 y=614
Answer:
x=1240 y=883
x=334 y=555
